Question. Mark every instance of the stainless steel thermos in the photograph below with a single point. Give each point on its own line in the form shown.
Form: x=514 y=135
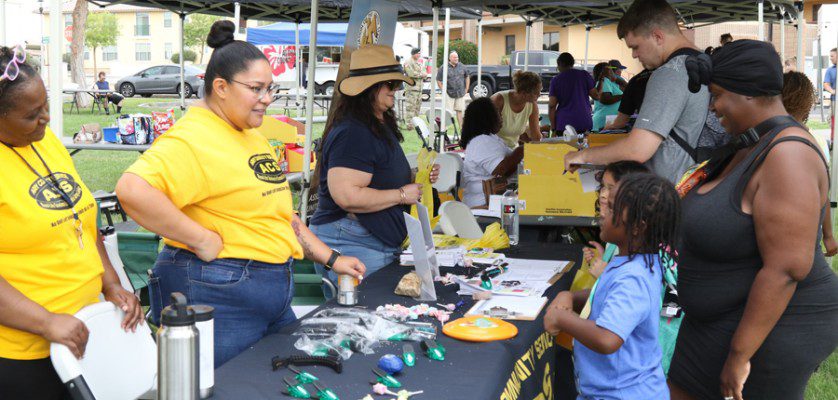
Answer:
x=177 y=352
x=205 y=323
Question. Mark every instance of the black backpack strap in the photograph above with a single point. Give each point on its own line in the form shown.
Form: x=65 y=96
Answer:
x=693 y=153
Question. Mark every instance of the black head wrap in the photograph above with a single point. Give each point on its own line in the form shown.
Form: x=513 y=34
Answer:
x=747 y=67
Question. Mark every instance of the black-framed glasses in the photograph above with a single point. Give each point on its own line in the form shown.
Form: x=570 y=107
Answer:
x=258 y=91
x=394 y=84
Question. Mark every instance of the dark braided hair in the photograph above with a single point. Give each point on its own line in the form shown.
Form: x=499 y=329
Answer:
x=8 y=88
x=649 y=205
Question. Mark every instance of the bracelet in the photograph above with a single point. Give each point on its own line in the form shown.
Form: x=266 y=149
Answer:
x=404 y=197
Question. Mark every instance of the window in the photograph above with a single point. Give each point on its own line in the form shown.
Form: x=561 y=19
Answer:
x=68 y=20
x=109 y=53
x=153 y=71
x=167 y=19
x=510 y=44
x=551 y=59
x=142 y=52
x=167 y=52
x=171 y=70
x=551 y=41
x=535 y=58
x=141 y=28
x=86 y=53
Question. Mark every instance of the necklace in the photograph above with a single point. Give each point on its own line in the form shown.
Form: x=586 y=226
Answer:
x=53 y=183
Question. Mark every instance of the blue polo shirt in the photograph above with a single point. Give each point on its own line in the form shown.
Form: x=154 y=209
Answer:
x=627 y=302
x=351 y=144
x=103 y=85
x=831 y=78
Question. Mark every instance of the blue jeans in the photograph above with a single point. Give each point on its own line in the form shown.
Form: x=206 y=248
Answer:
x=252 y=299
x=350 y=238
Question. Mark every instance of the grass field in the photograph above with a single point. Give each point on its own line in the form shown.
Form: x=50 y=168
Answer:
x=101 y=169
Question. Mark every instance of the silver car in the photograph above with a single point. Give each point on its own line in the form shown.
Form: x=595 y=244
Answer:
x=162 y=79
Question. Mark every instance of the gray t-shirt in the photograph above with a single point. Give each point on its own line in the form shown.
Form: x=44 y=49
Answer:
x=456 y=85
x=667 y=106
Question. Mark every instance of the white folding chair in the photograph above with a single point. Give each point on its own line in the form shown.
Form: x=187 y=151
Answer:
x=450 y=166
x=116 y=364
x=423 y=131
x=456 y=218
x=112 y=249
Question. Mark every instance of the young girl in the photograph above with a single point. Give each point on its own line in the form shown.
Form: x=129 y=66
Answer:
x=608 y=182
x=616 y=350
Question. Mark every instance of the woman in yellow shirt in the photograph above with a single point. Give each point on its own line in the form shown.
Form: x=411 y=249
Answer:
x=212 y=188
x=52 y=262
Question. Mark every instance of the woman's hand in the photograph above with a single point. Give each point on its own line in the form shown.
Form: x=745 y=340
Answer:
x=434 y=173
x=562 y=303
x=67 y=330
x=349 y=266
x=208 y=248
x=830 y=245
x=127 y=302
x=734 y=375
x=412 y=193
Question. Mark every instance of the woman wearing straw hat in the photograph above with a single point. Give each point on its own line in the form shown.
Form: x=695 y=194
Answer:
x=365 y=180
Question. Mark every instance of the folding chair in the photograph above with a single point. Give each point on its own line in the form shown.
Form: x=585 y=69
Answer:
x=450 y=168
x=116 y=364
x=308 y=288
x=456 y=218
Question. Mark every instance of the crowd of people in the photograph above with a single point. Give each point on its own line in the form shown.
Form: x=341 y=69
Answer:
x=736 y=225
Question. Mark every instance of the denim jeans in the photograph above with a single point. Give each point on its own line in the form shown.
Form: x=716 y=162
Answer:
x=252 y=299
x=350 y=238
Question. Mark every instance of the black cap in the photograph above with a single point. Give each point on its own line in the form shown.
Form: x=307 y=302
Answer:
x=616 y=64
x=415 y=51
x=202 y=312
x=177 y=313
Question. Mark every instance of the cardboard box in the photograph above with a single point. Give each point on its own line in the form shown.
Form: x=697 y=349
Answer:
x=274 y=129
x=294 y=156
x=596 y=139
x=555 y=195
x=545 y=158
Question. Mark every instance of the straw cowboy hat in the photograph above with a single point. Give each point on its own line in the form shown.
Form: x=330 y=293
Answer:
x=372 y=64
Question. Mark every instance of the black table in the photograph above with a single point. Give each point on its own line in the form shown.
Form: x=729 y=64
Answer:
x=522 y=367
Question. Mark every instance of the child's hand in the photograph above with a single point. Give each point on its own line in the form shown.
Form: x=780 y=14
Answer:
x=561 y=304
x=597 y=266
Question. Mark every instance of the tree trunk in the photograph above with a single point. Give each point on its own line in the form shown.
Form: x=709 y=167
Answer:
x=77 y=49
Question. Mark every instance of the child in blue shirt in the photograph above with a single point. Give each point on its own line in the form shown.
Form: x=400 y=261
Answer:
x=616 y=350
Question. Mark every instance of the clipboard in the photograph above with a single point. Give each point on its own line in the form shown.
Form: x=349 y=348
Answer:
x=516 y=308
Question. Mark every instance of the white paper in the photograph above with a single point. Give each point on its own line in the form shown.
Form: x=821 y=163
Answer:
x=522 y=307
x=588 y=179
x=533 y=270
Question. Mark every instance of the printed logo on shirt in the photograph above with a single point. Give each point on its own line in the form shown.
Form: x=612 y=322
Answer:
x=266 y=169
x=45 y=193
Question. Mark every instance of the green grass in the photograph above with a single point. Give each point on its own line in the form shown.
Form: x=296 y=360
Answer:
x=815 y=125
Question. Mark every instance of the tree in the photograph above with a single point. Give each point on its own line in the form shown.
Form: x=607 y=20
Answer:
x=466 y=50
x=77 y=49
x=195 y=31
x=189 y=55
x=102 y=30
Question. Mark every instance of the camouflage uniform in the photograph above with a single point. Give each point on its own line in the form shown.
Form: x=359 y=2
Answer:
x=413 y=94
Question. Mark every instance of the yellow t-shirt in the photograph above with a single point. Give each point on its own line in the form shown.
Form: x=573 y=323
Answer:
x=227 y=181
x=39 y=249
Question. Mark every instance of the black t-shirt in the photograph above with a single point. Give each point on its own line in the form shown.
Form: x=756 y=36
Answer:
x=634 y=93
x=350 y=144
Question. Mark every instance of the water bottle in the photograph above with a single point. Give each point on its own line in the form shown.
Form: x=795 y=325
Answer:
x=205 y=323
x=569 y=133
x=509 y=215
x=177 y=352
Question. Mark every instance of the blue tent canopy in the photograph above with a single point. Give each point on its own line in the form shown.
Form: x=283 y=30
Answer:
x=282 y=33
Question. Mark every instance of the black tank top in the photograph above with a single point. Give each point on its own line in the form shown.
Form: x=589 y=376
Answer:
x=719 y=256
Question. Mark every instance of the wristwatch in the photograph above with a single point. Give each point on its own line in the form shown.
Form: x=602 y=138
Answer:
x=332 y=259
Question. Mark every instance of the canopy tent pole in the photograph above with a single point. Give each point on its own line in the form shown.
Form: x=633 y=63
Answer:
x=56 y=47
x=181 y=57
x=819 y=81
x=527 y=47
x=760 y=19
x=783 y=35
x=587 y=38
x=479 y=51
x=434 y=50
x=312 y=63
x=833 y=195
x=800 y=22
x=297 y=67
x=3 y=23
x=443 y=122
x=237 y=14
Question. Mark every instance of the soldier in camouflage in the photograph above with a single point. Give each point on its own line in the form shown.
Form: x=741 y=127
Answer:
x=413 y=94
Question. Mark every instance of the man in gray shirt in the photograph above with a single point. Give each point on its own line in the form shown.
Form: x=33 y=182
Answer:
x=650 y=29
x=458 y=82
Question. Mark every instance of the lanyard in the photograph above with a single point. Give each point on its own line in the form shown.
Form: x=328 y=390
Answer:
x=53 y=183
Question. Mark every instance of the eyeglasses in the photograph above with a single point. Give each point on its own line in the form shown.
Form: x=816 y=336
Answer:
x=258 y=91
x=13 y=67
x=393 y=85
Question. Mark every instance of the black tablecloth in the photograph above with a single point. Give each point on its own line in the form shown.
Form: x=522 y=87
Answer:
x=522 y=367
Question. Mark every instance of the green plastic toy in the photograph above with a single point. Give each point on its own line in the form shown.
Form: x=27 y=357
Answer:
x=433 y=350
x=408 y=355
x=386 y=379
x=324 y=393
x=302 y=377
x=295 y=389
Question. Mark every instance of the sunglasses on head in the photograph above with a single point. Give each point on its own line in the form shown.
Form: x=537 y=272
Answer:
x=13 y=67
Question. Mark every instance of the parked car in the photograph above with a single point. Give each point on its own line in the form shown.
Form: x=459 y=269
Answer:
x=499 y=77
x=162 y=79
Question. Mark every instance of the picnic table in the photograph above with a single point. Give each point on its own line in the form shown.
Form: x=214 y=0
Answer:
x=78 y=92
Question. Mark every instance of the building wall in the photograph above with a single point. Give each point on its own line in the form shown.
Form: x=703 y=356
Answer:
x=709 y=35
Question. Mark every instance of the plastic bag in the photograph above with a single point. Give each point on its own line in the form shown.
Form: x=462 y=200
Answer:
x=162 y=121
x=425 y=162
